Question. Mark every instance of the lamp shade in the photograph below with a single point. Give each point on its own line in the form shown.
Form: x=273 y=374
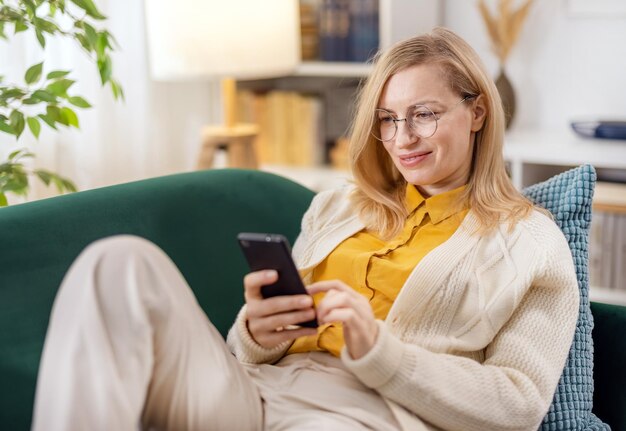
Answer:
x=195 y=39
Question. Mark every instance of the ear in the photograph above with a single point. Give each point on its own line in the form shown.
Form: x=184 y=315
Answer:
x=479 y=113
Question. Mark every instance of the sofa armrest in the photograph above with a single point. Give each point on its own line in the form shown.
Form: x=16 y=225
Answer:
x=609 y=338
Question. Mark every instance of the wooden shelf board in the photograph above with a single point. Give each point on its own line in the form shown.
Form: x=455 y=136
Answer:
x=564 y=148
x=610 y=197
x=607 y=296
x=333 y=69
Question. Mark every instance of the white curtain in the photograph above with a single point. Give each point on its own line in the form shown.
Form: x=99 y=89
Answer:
x=156 y=131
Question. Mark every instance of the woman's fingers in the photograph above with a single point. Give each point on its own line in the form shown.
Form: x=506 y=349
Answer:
x=339 y=295
x=278 y=304
x=274 y=338
x=335 y=299
x=267 y=318
x=343 y=304
x=273 y=330
x=325 y=286
x=253 y=282
x=282 y=320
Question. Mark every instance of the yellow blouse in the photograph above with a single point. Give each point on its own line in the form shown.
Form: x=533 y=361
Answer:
x=378 y=269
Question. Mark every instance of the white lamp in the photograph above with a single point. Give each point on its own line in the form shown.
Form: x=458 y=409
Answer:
x=228 y=39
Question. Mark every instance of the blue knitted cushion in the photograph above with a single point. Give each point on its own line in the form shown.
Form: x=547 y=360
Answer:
x=568 y=196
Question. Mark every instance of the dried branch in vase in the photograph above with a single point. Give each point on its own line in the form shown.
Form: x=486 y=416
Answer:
x=505 y=27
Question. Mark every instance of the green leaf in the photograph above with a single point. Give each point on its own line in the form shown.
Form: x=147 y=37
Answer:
x=15 y=154
x=55 y=74
x=12 y=15
x=2 y=34
x=45 y=25
x=69 y=185
x=34 y=126
x=33 y=74
x=111 y=41
x=105 y=67
x=59 y=88
x=44 y=176
x=49 y=121
x=53 y=10
x=118 y=92
x=12 y=93
x=6 y=127
x=54 y=113
x=30 y=7
x=101 y=44
x=31 y=101
x=3 y=200
x=83 y=41
x=18 y=181
x=89 y=7
x=44 y=96
x=20 y=26
x=17 y=122
x=91 y=34
x=40 y=38
x=79 y=101
x=70 y=116
x=57 y=182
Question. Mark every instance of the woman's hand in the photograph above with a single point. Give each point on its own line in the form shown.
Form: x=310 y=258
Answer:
x=268 y=318
x=343 y=304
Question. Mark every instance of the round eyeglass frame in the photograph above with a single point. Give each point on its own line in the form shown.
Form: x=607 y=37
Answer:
x=406 y=120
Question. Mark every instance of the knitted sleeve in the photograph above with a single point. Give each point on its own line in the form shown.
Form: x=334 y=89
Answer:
x=513 y=387
x=246 y=349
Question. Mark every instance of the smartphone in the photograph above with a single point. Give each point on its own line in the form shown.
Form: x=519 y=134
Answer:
x=272 y=251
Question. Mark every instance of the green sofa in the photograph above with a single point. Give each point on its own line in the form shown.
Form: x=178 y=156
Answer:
x=195 y=218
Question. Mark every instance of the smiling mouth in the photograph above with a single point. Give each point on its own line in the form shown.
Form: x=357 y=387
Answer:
x=414 y=157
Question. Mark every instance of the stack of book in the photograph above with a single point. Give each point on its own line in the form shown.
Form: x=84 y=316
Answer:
x=348 y=30
x=607 y=239
x=290 y=126
x=309 y=32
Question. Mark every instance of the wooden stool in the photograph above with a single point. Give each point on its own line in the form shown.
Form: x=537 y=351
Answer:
x=238 y=141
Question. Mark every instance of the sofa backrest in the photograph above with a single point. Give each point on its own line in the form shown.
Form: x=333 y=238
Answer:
x=194 y=217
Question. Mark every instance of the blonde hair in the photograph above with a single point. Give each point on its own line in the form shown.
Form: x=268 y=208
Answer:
x=380 y=192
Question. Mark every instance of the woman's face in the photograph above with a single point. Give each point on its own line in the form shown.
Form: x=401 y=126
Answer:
x=442 y=161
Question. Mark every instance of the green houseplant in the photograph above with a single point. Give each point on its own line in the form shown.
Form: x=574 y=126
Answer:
x=45 y=95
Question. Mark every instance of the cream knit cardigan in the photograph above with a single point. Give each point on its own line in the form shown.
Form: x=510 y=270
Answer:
x=479 y=333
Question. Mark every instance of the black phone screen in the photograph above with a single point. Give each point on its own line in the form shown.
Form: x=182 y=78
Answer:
x=272 y=251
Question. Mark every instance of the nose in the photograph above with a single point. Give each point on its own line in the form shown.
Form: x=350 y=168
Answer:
x=405 y=136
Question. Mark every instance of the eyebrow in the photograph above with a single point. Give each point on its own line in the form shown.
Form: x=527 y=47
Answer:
x=419 y=102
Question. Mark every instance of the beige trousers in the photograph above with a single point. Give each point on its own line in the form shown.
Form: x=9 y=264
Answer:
x=128 y=347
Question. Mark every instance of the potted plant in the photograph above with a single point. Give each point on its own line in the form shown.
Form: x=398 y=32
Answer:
x=45 y=96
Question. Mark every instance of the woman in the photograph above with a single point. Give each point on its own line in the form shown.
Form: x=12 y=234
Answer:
x=445 y=300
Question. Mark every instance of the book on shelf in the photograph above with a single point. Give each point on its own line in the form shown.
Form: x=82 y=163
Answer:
x=309 y=29
x=607 y=250
x=619 y=250
x=347 y=30
x=363 y=32
x=290 y=126
x=607 y=237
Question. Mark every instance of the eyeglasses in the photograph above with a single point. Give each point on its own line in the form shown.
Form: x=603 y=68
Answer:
x=420 y=119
